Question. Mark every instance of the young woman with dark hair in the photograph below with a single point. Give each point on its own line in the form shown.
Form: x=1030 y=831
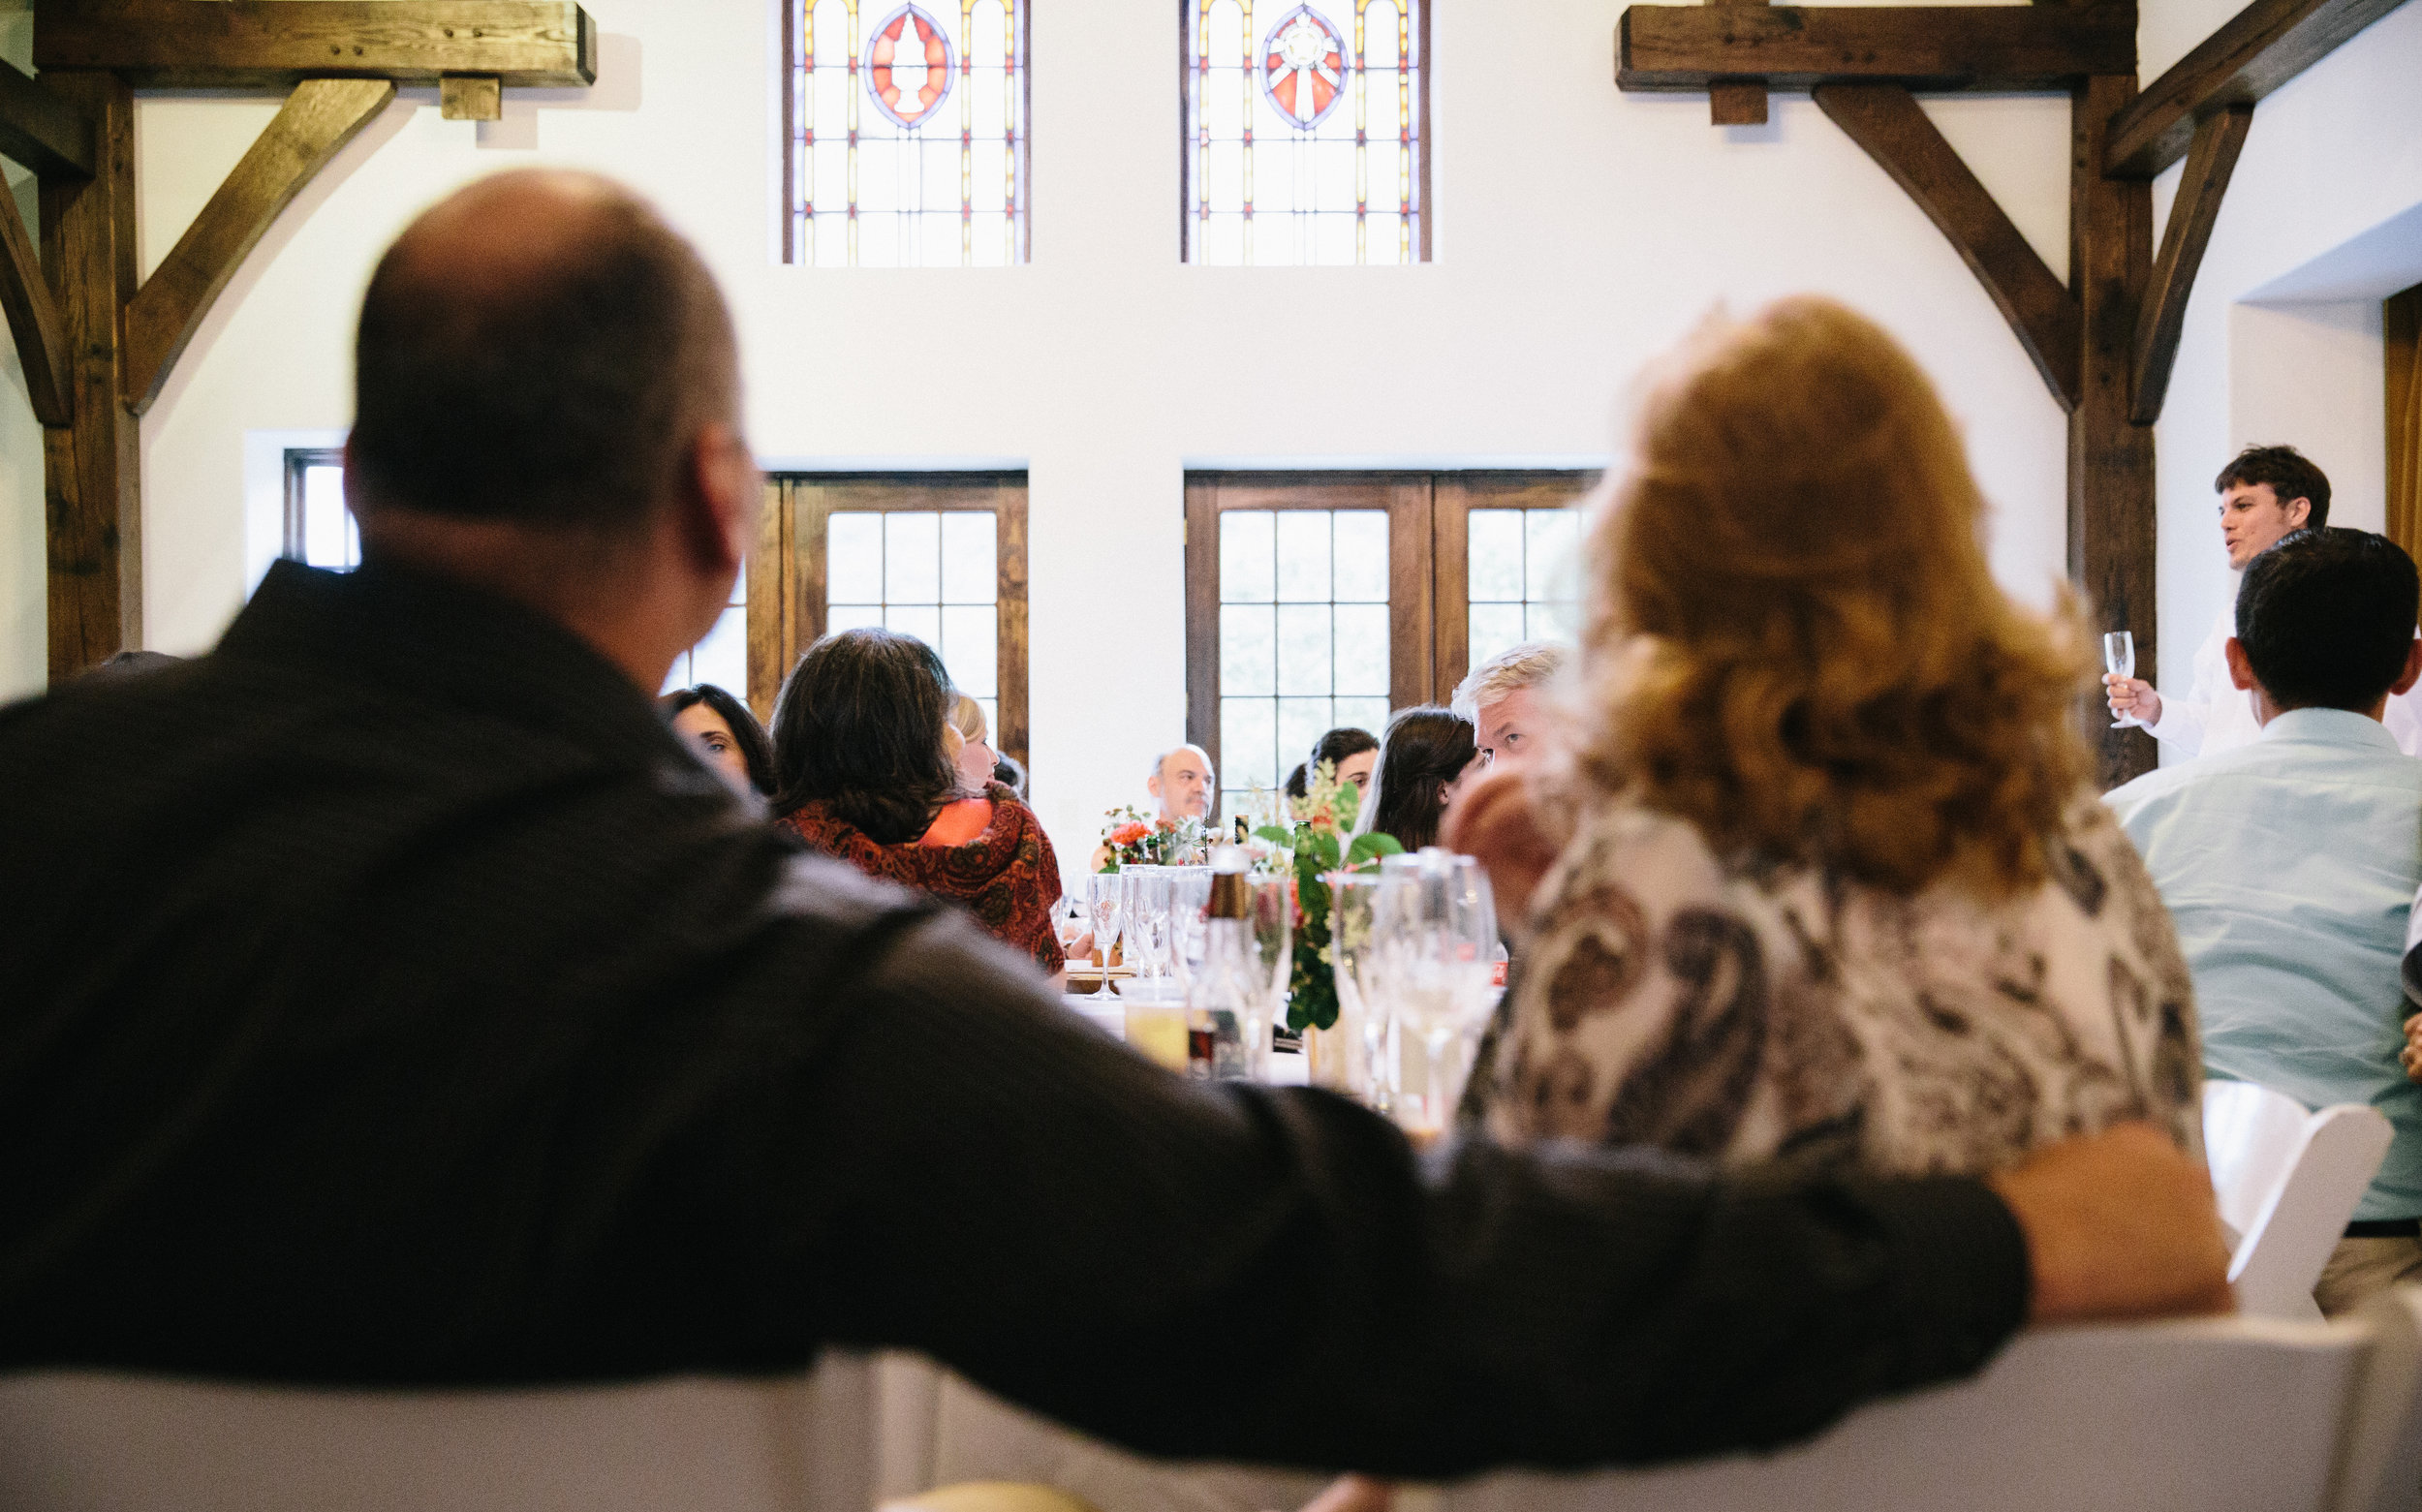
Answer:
x=866 y=772
x=725 y=734
x=1353 y=752
x=1425 y=752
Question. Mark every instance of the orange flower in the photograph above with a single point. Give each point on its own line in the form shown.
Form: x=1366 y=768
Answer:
x=1129 y=834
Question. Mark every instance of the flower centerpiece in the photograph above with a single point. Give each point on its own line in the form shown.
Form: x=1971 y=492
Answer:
x=1132 y=838
x=1323 y=817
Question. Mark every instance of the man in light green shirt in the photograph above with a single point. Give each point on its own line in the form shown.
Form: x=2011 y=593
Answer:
x=2290 y=866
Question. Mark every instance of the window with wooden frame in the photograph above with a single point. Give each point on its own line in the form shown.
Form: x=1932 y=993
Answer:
x=319 y=530
x=1320 y=599
x=941 y=556
x=1304 y=132
x=906 y=141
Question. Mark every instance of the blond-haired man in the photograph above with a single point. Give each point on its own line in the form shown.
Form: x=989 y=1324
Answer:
x=1500 y=697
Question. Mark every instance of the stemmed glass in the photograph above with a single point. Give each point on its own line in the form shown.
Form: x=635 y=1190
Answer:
x=1189 y=897
x=1106 y=899
x=2118 y=658
x=1361 y=1002
x=1067 y=921
x=1435 y=928
x=1148 y=920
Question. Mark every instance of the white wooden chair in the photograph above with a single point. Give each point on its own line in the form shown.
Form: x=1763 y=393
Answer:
x=2219 y=1416
x=2287 y=1181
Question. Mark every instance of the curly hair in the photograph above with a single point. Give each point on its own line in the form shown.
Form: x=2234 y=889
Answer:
x=1793 y=640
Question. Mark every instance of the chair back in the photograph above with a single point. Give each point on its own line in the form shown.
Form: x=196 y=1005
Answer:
x=2250 y=1135
x=2222 y=1415
x=2287 y=1181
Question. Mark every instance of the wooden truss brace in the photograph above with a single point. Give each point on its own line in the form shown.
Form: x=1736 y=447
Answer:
x=97 y=348
x=2106 y=343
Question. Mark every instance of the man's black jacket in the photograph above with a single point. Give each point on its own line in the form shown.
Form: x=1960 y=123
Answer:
x=388 y=998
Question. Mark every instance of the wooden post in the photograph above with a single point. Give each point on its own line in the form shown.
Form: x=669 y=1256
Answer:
x=91 y=469
x=2111 y=523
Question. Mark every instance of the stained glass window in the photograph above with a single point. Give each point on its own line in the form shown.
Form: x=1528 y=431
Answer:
x=1305 y=131
x=1524 y=579
x=1303 y=635
x=907 y=133
x=320 y=530
x=929 y=573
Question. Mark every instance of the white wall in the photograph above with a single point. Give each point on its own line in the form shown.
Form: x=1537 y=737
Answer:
x=1579 y=230
x=23 y=615
x=2322 y=220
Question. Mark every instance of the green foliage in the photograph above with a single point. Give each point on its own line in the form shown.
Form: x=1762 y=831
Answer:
x=1322 y=816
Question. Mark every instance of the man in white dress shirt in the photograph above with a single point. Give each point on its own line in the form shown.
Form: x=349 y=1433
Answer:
x=2265 y=493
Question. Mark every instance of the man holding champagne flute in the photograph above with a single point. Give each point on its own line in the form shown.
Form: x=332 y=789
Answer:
x=2265 y=493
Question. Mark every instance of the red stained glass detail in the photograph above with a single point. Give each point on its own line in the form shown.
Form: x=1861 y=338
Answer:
x=1303 y=66
x=909 y=66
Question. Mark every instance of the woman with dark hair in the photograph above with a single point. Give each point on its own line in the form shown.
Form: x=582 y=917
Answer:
x=725 y=734
x=1426 y=751
x=1353 y=752
x=867 y=772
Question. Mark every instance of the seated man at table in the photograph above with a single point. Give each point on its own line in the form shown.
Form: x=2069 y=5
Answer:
x=1503 y=699
x=2291 y=864
x=392 y=997
x=1182 y=783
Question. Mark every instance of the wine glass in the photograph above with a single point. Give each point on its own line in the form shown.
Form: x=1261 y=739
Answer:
x=1105 y=898
x=1190 y=898
x=1067 y=921
x=1435 y=928
x=2118 y=658
x=1148 y=920
x=1361 y=1003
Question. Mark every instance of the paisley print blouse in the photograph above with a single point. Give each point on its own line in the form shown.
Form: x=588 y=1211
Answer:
x=1779 y=1013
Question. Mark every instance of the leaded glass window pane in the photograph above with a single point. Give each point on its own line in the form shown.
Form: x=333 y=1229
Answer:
x=1524 y=578
x=1303 y=636
x=907 y=133
x=1304 y=132
x=934 y=574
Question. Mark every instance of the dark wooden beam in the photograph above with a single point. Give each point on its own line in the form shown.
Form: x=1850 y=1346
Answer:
x=1886 y=121
x=2259 y=49
x=40 y=128
x=2111 y=522
x=318 y=117
x=2219 y=137
x=91 y=469
x=470 y=96
x=34 y=321
x=1688 y=47
x=277 y=44
x=1736 y=102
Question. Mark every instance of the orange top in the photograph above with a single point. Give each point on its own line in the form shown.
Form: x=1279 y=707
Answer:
x=959 y=822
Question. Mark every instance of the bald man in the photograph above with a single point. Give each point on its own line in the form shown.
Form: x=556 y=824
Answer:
x=1182 y=783
x=394 y=998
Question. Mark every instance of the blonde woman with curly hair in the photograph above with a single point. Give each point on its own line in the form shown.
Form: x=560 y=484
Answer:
x=1836 y=889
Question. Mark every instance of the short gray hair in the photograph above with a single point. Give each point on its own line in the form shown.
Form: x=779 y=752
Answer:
x=1161 y=762
x=1525 y=665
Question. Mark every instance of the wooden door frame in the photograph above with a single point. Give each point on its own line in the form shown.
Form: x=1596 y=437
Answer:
x=1405 y=496
x=786 y=609
x=1456 y=495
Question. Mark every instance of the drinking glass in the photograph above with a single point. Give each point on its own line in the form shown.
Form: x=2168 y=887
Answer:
x=2118 y=658
x=1361 y=1002
x=1434 y=931
x=1190 y=898
x=1106 y=899
x=1148 y=920
x=1067 y=921
x=1271 y=916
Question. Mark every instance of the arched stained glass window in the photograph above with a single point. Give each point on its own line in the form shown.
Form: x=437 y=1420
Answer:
x=1306 y=132
x=907 y=123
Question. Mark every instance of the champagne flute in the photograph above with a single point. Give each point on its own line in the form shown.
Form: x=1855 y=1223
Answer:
x=1148 y=920
x=1067 y=921
x=2118 y=658
x=1105 y=895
